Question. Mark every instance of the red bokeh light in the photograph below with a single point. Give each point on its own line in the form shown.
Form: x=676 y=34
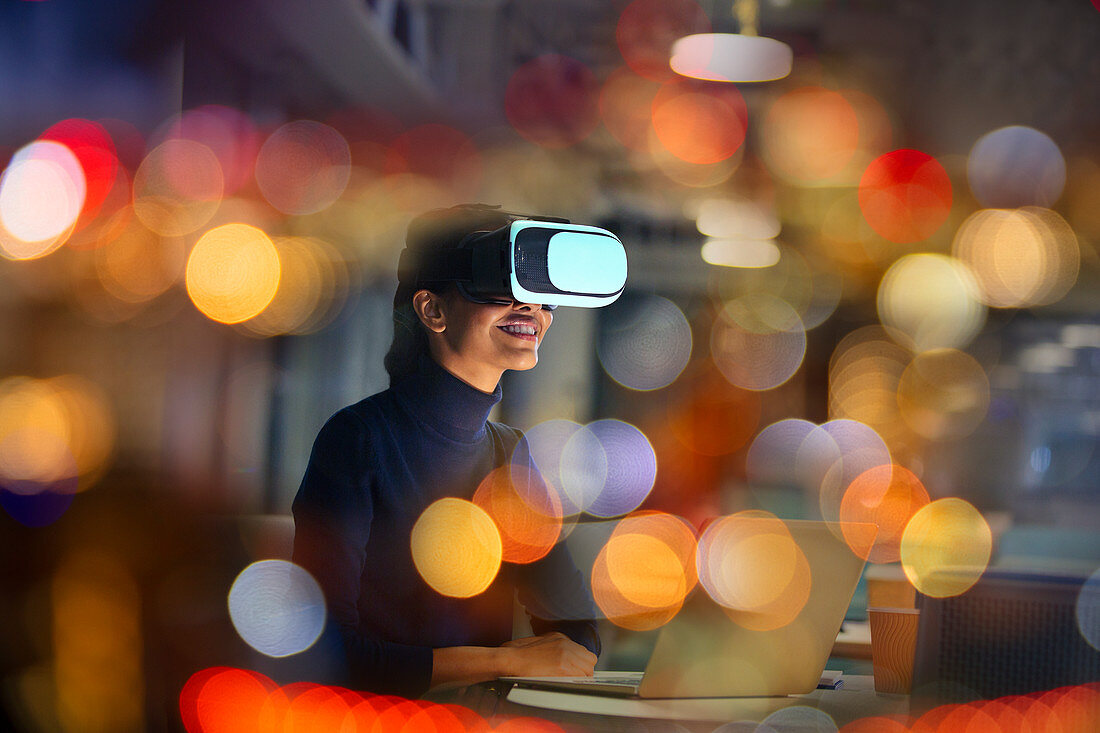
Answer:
x=229 y=133
x=552 y=101
x=229 y=700
x=647 y=29
x=905 y=195
x=95 y=151
x=698 y=122
x=438 y=152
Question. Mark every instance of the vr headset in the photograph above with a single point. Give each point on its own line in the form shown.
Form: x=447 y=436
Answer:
x=530 y=260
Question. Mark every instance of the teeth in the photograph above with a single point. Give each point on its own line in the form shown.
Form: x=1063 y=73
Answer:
x=528 y=330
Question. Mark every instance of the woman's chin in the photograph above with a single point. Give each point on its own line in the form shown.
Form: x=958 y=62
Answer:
x=523 y=362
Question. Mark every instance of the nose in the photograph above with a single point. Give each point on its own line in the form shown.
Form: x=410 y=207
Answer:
x=516 y=305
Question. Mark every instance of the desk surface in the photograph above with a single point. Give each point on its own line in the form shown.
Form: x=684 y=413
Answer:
x=857 y=700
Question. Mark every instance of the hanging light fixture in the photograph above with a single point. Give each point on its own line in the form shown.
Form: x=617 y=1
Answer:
x=733 y=57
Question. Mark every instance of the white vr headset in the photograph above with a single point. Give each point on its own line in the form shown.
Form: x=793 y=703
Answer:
x=546 y=261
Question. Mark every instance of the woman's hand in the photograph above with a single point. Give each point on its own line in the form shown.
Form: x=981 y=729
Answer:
x=548 y=655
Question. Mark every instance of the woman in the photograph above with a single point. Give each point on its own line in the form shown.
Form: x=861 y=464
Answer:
x=377 y=464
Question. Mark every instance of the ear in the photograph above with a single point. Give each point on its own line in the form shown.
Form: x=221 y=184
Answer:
x=429 y=309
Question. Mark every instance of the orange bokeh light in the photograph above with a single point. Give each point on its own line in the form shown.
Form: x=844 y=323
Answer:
x=626 y=102
x=645 y=570
x=810 y=134
x=888 y=497
x=905 y=195
x=717 y=418
x=524 y=508
x=229 y=700
x=699 y=123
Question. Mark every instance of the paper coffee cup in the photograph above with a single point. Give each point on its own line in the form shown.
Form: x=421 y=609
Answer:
x=893 y=642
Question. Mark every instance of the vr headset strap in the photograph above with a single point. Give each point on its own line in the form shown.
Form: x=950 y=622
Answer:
x=455 y=264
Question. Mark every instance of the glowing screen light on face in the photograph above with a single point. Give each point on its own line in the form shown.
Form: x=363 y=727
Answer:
x=644 y=572
x=905 y=195
x=631 y=468
x=946 y=547
x=1016 y=166
x=42 y=193
x=233 y=273
x=456 y=547
x=646 y=343
x=749 y=564
x=277 y=608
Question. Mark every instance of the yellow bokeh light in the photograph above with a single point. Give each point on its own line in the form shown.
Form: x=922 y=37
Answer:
x=42 y=193
x=749 y=564
x=946 y=547
x=864 y=373
x=233 y=273
x=34 y=435
x=943 y=393
x=456 y=548
x=52 y=430
x=930 y=301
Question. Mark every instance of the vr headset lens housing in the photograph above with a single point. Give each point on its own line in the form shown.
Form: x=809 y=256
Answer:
x=530 y=261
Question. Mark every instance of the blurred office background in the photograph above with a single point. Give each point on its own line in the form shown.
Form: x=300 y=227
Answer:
x=888 y=256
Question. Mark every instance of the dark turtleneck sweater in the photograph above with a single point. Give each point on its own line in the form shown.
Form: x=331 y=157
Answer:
x=375 y=467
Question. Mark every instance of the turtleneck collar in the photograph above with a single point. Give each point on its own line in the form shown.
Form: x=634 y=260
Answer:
x=442 y=400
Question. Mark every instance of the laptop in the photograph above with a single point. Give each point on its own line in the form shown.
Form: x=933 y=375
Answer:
x=703 y=652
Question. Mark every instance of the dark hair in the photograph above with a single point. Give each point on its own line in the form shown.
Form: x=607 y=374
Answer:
x=429 y=233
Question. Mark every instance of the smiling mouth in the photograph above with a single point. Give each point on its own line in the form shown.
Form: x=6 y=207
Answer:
x=522 y=332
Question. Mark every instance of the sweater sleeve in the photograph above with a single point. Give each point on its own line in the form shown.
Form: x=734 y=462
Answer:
x=333 y=511
x=552 y=589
